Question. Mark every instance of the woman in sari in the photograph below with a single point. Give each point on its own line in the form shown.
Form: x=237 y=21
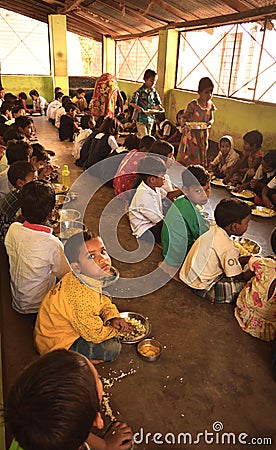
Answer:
x=106 y=94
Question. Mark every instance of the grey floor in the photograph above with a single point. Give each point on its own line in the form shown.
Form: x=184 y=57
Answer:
x=212 y=378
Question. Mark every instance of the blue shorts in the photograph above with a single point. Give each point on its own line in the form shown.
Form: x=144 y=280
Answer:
x=105 y=351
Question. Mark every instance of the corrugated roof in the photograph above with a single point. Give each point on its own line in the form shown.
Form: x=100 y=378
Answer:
x=122 y=19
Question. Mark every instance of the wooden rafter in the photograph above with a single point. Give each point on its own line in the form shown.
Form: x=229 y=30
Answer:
x=175 y=11
x=70 y=6
x=101 y=27
x=139 y=10
x=100 y=16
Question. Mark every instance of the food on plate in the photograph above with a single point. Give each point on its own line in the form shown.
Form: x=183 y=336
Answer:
x=246 y=193
x=247 y=247
x=137 y=331
x=149 y=350
x=262 y=211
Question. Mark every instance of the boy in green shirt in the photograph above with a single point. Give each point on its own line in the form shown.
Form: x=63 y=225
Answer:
x=184 y=223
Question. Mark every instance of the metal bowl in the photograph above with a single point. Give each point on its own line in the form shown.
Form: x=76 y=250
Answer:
x=70 y=227
x=61 y=199
x=136 y=335
x=69 y=214
x=247 y=246
x=149 y=349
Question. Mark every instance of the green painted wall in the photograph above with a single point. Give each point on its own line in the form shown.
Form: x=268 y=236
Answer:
x=21 y=83
x=232 y=116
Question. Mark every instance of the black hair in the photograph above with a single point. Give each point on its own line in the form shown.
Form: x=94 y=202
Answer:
x=9 y=97
x=57 y=89
x=40 y=152
x=179 y=113
x=270 y=159
x=53 y=403
x=22 y=95
x=65 y=99
x=123 y=94
x=225 y=139
x=19 y=170
x=205 y=83
x=16 y=108
x=3 y=129
x=151 y=166
x=13 y=133
x=131 y=142
x=18 y=150
x=162 y=148
x=149 y=73
x=70 y=105
x=37 y=199
x=99 y=122
x=74 y=243
x=147 y=141
x=110 y=126
x=6 y=106
x=33 y=92
x=22 y=122
x=254 y=137
x=273 y=240
x=160 y=116
x=86 y=121
x=58 y=95
x=80 y=91
x=231 y=211
x=194 y=175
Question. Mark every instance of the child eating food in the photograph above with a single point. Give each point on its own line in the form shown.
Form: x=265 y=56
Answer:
x=75 y=314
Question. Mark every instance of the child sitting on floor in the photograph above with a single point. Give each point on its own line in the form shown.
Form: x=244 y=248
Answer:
x=225 y=160
x=54 y=404
x=263 y=176
x=164 y=128
x=180 y=125
x=246 y=166
x=36 y=257
x=184 y=223
x=19 y=173
x=39 y=103
x=145 y=210
x=256 y=303
x=79 y=100
x=68 y=124
x=75 y=314
x=25 y=126
x=213 y=268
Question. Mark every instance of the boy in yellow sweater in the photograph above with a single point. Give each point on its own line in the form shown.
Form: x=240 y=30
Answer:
x=75 y=316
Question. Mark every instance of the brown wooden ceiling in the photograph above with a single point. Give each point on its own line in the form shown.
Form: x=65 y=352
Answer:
x=124 y=19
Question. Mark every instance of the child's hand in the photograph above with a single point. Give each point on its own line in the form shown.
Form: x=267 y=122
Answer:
x=267 y=202
x=253 y=183
x=120 y=324
x=119 y=437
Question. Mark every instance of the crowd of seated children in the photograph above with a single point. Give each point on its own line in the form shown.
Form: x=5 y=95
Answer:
x=225 y=160
x=80 y=100
x=180 y=124
x=107 y=171
x=164 y=129
x=61 y=110
x=19 y=173
x=263 y=176
x=36 y=257
x=75 y=314
x=145 y=100
x=68 y=123
x=194 y=142
x=213 y=267
x=256 y=304
x=146 y=211
x=184 y=223
x=53 y=107
x=87 y=125
x=127 y=171
x=61 y=392
x=39 y=103
x=100 y=143
x=246 y=166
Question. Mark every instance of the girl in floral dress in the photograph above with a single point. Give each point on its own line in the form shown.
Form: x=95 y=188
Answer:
x=256 y=303
x=194 y=142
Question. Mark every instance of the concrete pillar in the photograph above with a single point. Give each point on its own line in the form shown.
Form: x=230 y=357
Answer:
x=108 y=55
x=58 y=51
x=166 y=62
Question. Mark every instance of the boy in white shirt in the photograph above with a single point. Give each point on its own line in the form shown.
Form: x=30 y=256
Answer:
x=36 y=257
x=213 y=267
x=145 y=210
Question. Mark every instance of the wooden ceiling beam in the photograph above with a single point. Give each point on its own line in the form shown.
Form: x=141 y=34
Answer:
x=69 y=6
x=238 y=5
x=103 y=28
x=150 y=15
x=106 y=19
x=173 y=10
x=244 y=16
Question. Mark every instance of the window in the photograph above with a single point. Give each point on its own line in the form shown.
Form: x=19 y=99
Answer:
x=84 y=56
x=24 y=48
x=240 y=59
x=134 y=56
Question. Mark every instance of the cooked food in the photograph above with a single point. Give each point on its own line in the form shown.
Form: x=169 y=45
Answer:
x=149 y=350
x=246 y=193
x=262 y=211
x=247 y=247
x=60 y=188
x=137 y=331
x=218 y=182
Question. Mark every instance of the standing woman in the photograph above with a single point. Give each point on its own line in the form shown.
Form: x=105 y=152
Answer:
x=106 y=93
x=194 y=142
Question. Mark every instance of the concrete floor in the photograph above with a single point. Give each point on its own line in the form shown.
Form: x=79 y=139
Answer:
x=210 y=376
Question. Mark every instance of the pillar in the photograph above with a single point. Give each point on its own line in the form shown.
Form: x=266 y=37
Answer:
x=109 y=48
x=58 y=51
